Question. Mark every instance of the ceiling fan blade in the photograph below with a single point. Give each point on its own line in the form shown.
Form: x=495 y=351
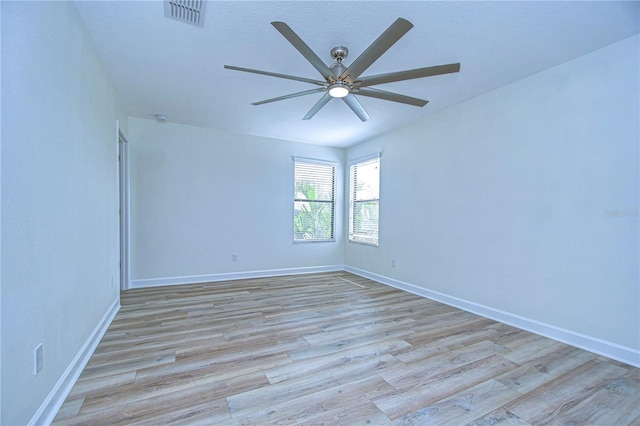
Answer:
x=322 y=102
x=305 y=50
x=274 y=74
x=376 y=49
x=356 y=107
x=293 y=95
x=390 y=96
x=407 y=75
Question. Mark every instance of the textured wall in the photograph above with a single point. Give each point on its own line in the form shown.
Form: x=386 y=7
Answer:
x=524 y=199
x=198 y=195
x=59 y=198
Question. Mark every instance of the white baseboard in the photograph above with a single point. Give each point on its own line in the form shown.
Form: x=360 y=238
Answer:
x=601 y=347
x=196 y=279
x=50 y=407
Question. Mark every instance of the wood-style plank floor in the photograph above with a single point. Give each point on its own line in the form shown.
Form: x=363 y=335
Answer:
x=334 y=349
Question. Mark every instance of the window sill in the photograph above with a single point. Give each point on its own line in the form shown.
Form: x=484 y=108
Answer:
x=364 y=243
x=333 y=240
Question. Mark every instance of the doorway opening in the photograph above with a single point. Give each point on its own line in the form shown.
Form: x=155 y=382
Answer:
x=123 y=186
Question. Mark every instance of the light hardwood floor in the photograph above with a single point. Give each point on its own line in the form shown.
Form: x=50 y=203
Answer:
x=334 y=349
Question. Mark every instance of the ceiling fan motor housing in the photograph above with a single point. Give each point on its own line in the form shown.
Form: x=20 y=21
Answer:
x=337 y=68
x=338 y=88
x=338 y=53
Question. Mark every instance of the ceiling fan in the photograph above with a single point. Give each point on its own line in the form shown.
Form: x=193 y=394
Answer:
x=344 y=82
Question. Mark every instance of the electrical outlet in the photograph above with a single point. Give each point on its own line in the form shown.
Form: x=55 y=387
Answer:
x=234 y=257
x=111 y=280
x=37 y=359
x=393 y=263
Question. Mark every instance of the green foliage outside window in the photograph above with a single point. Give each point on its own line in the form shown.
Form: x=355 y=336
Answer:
x=314 y=202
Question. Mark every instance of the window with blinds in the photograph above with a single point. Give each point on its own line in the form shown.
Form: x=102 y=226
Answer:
x=314 y=200
x=364 y=200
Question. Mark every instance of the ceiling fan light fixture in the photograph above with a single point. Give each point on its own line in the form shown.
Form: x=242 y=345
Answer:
x=338 y=90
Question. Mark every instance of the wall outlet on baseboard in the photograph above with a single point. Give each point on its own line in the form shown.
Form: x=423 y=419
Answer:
x=111 y=281
x=393 y=263
x=37 y=359
x=235 y=257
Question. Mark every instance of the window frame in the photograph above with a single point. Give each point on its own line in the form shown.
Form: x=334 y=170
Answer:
x=296 y=199
x=352 y=193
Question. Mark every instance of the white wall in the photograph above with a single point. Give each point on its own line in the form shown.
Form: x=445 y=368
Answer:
x=198 y=195
x=515 y=199
x=0 y=214
x=59 y=200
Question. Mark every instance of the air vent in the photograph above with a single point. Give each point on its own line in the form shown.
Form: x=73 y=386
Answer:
x=189 y=11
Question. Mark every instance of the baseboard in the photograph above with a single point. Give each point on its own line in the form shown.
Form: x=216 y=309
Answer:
x=229 y=276
x=50 y=407
x=601 y=347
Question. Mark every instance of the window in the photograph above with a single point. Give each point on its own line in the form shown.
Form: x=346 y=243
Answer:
x=364 y=200
x=314 y=200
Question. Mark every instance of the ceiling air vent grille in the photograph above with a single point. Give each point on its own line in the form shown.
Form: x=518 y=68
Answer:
x=189 y=11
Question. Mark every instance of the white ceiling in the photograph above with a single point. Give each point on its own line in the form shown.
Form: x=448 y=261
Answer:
x=162 y=66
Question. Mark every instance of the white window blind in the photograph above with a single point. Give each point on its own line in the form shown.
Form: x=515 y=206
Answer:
x=314 y=201
x=364 y=200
